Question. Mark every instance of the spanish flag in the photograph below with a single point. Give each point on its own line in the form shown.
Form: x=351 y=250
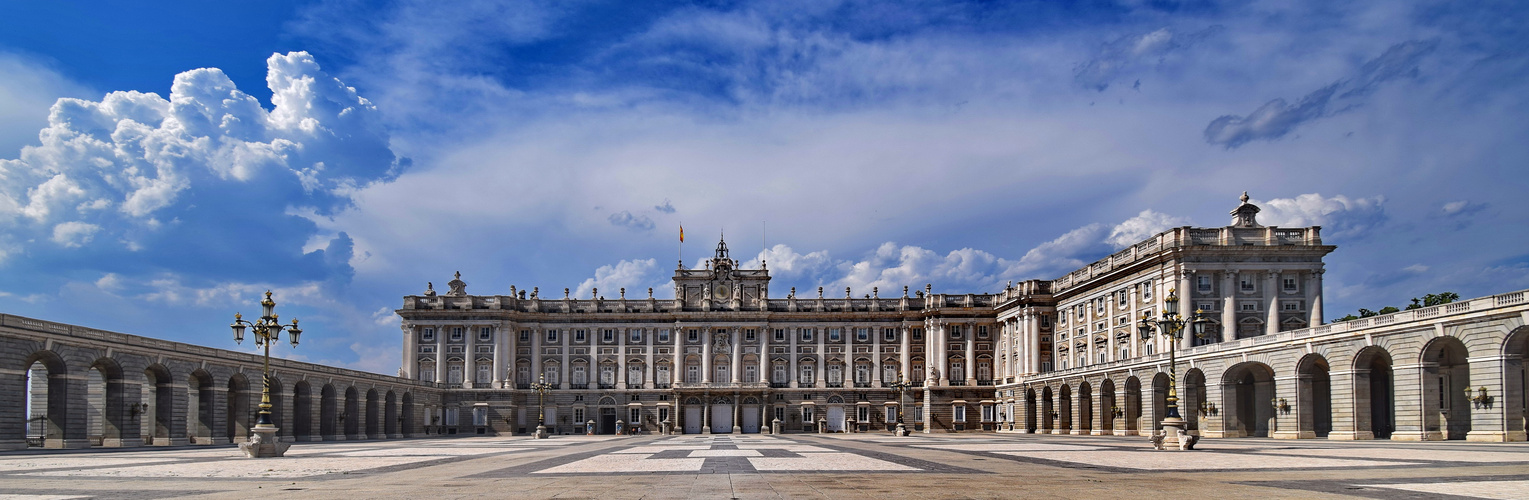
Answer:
x=682 y=233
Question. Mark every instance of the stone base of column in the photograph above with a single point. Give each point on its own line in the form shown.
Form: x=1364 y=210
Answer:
x=13 y=444
x=541 y=432
x=400 y=436
x=1417 y=436
x=264 y=443
x=1294 y=435
x=66 y=444
x=175 y=441
x=1215 y=434
x=1077 y=432
x=1098 y=433
x=1058 y=431
x=706 y=429
x=1494 y=436
x=1351 y=436
x=121 y=442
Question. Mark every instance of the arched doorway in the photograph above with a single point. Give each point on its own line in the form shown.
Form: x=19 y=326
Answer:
x=1313 y=397
x=390 y=420
x=1133 y=405
x=1159 y=400
x=1446 y=377
x=47 y=403
x=835 y=414
x=278 y=407
x=607 y=409
x=200 y=405
x=1031 y=425
x=1247 y=391
x=1191 y=398
x=1064 y=410
x=408 y=415
x=750 y=415
x=1085 y=409
x=1374 y=394
x=1516 y=383
x=237 y=412
x=158 y=406
x=350 y=417
x=302 y=411
x=104 y=420
x=1108 y=405
x=1048 y=411
x=692 y=416
x=329 y=413
x=373 y=415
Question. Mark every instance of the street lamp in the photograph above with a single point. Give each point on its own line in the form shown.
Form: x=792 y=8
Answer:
x=901 y=386
x=264 y=443
x=1171 y=325
x=541 y=387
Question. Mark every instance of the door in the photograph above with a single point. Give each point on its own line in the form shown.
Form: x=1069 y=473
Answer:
x=721 y=419
x=607 y=421
x=836 y=419
x=692 y=420
x=750 y=419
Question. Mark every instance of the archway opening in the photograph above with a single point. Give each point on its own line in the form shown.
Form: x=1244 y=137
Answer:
x=1191 y=398
x=158 y=403
x=47 y=406
x=200 y=413
x=1314 y=396
x=103 y=386
x=1248 y=399
x=1085 y=408
x=390 y=420
x=1048 y=411
x=1064 y=400
x=329 y=413
x=373 y=423
x=1030 y=422
x=350 y=417
x=302 y=410
x=1516 y=378
x=1446 y=378
x=237 y=411
x=1159 y=400
x=1108 y=405
x=1133 y=405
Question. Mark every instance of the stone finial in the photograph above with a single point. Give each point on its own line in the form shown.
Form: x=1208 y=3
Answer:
x=594 y=293
x=1246 y=214
x=820 y=292
x=846 y=292
x=650 y=292
x=565 y=292
x=793 y=293
x=1244 y=197
x=876 y=291
x=905 y=291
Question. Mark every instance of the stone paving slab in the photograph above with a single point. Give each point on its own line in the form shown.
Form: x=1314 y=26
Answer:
x=1194 y=461
x=1506 y=490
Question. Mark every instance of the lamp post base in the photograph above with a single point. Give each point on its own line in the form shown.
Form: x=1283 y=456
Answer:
x=264 y=443
x=541 y=432
x=1173 y=436
x=902 y=430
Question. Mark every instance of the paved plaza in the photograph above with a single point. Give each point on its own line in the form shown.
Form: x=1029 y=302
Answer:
x=759 y=466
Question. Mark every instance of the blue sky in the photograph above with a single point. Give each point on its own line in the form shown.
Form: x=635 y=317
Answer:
x=161 y=166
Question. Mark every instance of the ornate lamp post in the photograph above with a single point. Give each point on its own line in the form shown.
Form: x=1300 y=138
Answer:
x=541 y=387
x=1171 y=326
x=264 y=443
x=901 y=386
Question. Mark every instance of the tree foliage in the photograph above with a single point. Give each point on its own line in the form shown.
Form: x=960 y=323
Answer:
x=1430 y=300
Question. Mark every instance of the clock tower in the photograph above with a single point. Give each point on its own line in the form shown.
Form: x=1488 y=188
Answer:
x=722 y=285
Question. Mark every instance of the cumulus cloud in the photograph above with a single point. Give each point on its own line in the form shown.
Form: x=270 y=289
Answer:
x=28 y=89
x=1135 y=53
x=1340 y=216
x=667 y=207
x=630 y=274
x=1144 y=224
x=1276 y=118
x=74 y=234
x=626 y=219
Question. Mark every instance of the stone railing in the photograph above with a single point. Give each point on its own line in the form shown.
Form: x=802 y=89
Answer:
x=1186 y=237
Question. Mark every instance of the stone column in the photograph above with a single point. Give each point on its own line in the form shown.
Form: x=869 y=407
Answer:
x=971 y=354
x=941 y=357
x=706 y=414
x=1491 y=424
x=1314 y=296
x=905 y=356
x=566 y=339
x=821 y=378
x=764 y=355
x=502 y=354
x=648 y=380
x=409 y=369
x=792 y=376
x=536 y=356
x=677 y=372
x=876 y=374
x=735 y=366
x=1229 y=305
x=470 y=356
x=1284 y=425
x=1351 y=399
x=1033 y=325
x=621 y=375
x=440 y=354
x=1187 y=305
x=1408 y=393
x=737 y=410
x=706 y=359
x=1271 y=300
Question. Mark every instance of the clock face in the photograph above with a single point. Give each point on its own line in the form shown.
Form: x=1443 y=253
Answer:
x=721 y=290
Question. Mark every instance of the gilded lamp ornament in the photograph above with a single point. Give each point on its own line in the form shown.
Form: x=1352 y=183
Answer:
x=267 y=330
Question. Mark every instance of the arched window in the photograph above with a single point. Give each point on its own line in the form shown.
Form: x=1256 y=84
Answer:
x=780 y=376
x=634 y=375
x=550 y=372
x=692 y=374
x=750 y=373
x=662 y=375
x=805 y=377
x=580 y=375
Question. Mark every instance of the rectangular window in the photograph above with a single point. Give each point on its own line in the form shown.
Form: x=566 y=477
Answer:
x=918 y=334
x=456 y=334
x=663 y=335
x=889 y=334
x=525 y=335
x=780 y=413
x=982 y=332
x=663 y=414
x=635 y=336
x=891 y=414
x=807 y=414
x=959 y=414
x=862 y=334
x=806 y=334
x=1206 y=306
x=427 y=335
x=863 y=413
x=955 y=332
x=1045 y=321
x=692 y=335
x=1122 y=297
x=780 y=334
x=451 y=416
x=485 y=334
x=578 y=335
x=1146 y=291
x=918 y=414
x=1293 y=305
x=480 y=416
x=1251 y=306
x=551 y=335
x=1099 y=326
x=835 y=334
x=1290 y=284
x=578 y=416
x=1247 y=284
x=1203 y=283
x=636 y=416
x=607 y=335
x=750 y=334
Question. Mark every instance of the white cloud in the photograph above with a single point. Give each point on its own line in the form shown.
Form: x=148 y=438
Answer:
x=626 y=219
x=630 y=274
x=74 y=234
x=1340 y=216
x=1143 y=225
x=28 y=89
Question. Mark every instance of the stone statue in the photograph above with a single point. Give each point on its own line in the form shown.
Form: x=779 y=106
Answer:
x=429 y=289
x=458 y=287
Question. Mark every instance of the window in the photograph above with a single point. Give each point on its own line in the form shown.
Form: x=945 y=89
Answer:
x=955 y=332
x=835 y=334
x=1078 y=310
x=1290 y=284
x=1103 y=356
x=1122 y=297
x=1125 y=352
x=1206 y=306
x=525 y=335
x=663 y=414
x=987 y=413
x=862 y=374
x=1146 y=291
x=1293 y=305
x=550 y=372
x=1046 y=321
x=480 y=416
x=427 y=335
x=607 y=335
x=661 y=375
x=1250 y=306
x=1098 y=327
x=780 y=412
x=578 y=335
x=862 y=334
x=1247 y=284
x=663 y=335
x=580 y=376
x=959 y=414
x=692 y=374
x=1149 y=349
x=918 y=414
x=456 y=334
x=551 y=335
x=984 y=370
x=1203 y=283
x=806 y=334
x=750 y=373
x=427 y=372
x=634 y=335
x=454 y=374
x=485 y=373
x=918 y=372
x=1062 y=320
x=892 y=414
x=889 y=334
x=807 y=414
x=451 y=416
x=779 y=375
x=608 y=375
x=485 y=334
x=578 y=416
x=750 y=334
x=1123 y=319
x=888 y=373
x=635 y=415
x=863 y=413
x=692 y=335
x=835 y=374
x=918 y=334
x=982 y=332
x=957 y=370
x=805 y=378
x=780 y=334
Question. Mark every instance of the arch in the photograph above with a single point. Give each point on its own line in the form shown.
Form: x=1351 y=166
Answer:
x=329 y=413
x=693 y=400
x=1109 y=405
x=1085 y=408
x=302 y=410
x=1048 y=412
x=1064 y=410
x=1192 y=398
x=750 y=400
x=278 y=406
x=236 y=415
x=1133 y=405
x=1313 y=397
x=1159 y=400
x=373 y=415
x=201 y=406
x=1031 y=424
x=1516 y=383
x=1374 y=394
x=835 y=400
x=390 y=420
x=1247 y=392
x=1446 y=376
x=158 y=416
x=104 y=403
x=47 y=401
x=606 y=401
x=350 y=415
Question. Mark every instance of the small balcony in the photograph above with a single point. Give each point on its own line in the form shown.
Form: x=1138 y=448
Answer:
x=661 y=386
x=957 y=383
x=779 y=385
x=988 y=383
x=578 y=386
x=862 y=384
x=832 y=385
x=607 y=386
